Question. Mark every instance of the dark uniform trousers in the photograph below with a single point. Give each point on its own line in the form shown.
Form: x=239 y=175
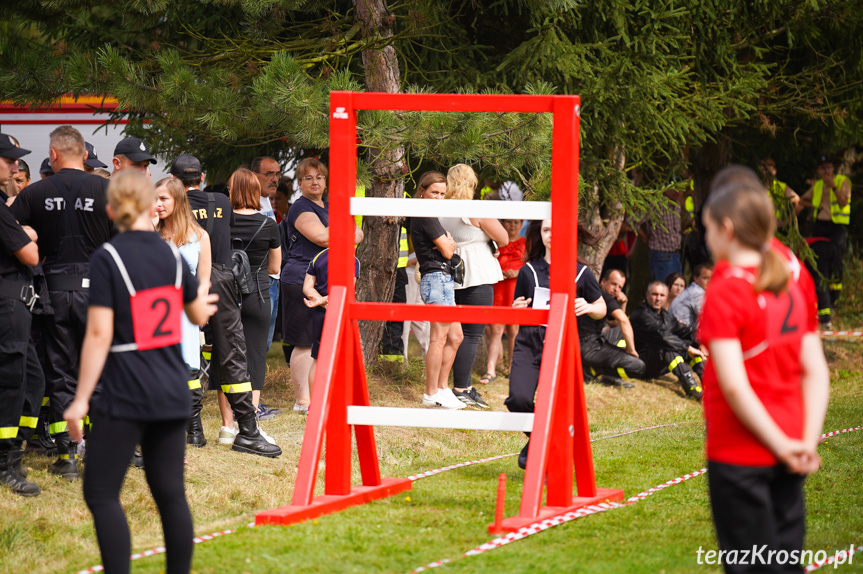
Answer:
x=392 y=345
x=524 y=374
x=599 y=357
x=831 y=259
x=20 y=375
x=661 y=361
x=229 y=345
x=63 y=337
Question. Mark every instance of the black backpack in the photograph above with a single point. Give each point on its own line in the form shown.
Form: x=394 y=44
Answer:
x=240 y=266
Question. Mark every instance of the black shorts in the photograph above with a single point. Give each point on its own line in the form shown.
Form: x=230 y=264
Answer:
x=297 y=320
x=318 y=321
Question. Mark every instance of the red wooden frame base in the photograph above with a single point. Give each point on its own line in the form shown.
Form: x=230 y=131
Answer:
x=330 y=504
x=515 y=523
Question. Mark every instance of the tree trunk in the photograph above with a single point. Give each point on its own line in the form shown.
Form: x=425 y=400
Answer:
x=598 y=224
x=378 y=253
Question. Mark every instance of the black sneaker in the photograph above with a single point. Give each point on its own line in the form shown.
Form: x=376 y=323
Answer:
x=471 y=398
x=264 y=414
x=522 y=456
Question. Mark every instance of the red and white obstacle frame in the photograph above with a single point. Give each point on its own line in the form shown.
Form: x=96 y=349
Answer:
x=560 y=439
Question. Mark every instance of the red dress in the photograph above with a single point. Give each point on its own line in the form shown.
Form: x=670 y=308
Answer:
x=511 y=257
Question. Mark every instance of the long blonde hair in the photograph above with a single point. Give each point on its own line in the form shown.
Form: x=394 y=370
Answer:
x=183 y=222
x=460 y=182
x=739 y=196
x=130 y=194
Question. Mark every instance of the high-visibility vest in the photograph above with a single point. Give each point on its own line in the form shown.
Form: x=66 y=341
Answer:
x=838 y=214
x=403 y=236
x=780 y=202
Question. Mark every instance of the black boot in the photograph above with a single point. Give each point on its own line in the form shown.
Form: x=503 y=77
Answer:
x=67 y=463
x=691 y=386
x=194 y=429
x=522 y=456
x=138 y=458
x=19 y=485
x=43 y=443
x=250 y=441
x=15 y=460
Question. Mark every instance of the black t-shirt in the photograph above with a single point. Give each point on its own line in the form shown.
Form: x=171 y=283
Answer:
x=220 y=235
x=592 y=328
x=586 y=287
x=245 y=226
x=12 y=238
x=147 y=385
x=424 y=230
x=42 y=206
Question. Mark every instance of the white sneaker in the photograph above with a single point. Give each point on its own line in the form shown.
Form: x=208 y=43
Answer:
x=452 y=401
x=301 y=408
x=442 y=399
x=267 y=437
x=227 y=435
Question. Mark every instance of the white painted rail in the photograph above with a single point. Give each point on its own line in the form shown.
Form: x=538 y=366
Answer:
x=440 y=418
x=404 y=207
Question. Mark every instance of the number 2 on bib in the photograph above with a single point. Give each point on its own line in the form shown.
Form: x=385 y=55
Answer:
x=156 y=315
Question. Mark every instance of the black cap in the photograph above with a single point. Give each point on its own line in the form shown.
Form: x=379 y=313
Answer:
x=824 y=159
x=46 y=166
x=186 y=166
x=92 y=158
x=134 y=149
x=9 y=150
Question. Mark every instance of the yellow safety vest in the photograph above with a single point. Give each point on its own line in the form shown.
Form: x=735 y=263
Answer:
x=403 y=237
x=780 y=202
x=838 y=214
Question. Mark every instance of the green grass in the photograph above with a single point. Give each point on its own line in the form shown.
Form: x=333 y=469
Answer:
x=446 y=515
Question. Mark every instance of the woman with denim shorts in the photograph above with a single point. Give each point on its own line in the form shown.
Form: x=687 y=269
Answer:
x=434 y=247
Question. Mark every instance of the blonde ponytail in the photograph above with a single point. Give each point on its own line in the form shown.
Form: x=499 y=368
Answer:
x=130 y=194
x=461 y=182
x=773 y=274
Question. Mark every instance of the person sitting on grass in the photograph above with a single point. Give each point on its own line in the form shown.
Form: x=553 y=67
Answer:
x=532 y=290
x=766 y=386
x=315 y=291
x=662 y=341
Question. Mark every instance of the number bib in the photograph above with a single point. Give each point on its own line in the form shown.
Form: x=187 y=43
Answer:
x=786 y=316
x=156 y=320
x=156 y=317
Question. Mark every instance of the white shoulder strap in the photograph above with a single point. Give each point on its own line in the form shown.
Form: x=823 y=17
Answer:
x=125 y=274
x=535 y=278
x=577 y=277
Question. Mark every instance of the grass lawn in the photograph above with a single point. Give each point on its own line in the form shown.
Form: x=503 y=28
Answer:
x=447 y=514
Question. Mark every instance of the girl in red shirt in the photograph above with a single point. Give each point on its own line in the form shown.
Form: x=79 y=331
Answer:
x=511 y=258
x=766 y=384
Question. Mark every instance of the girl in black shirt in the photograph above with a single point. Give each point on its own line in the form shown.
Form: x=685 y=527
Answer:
x=532 y=290
x=139 y=286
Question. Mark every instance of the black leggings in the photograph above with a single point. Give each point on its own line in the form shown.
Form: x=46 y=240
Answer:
x=466 y=354
x=109 y=452
x=256 y=314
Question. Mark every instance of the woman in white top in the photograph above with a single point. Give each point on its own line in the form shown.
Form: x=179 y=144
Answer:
x=472 y=237
x=177 y=225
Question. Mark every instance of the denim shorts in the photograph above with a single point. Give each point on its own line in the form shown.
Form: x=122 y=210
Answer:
x=437 y=288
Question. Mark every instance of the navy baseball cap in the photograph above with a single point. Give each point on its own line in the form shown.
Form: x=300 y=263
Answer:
x=824 y=159
x=46 y=166
x=92 y=158
x=134 y=149
x=9 y=150
x=186 y=166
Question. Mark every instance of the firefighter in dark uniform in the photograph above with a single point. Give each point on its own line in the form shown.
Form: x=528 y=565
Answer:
x=214 y=213
x=67 y=210
x=17 y=252
x=664 y=343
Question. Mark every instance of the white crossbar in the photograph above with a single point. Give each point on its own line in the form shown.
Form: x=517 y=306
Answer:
x=403 y=207
x=440 y=418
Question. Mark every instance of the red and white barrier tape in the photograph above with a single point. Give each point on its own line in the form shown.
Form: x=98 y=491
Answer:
x=533 y=528
x=429 y=473
x=548 y=523
x=842 y=333
x=843 y=554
